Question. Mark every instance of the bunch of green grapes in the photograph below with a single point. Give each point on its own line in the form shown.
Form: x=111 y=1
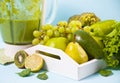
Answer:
x=62 y=29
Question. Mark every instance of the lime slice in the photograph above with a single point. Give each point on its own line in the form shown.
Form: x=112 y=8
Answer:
x=34 y=62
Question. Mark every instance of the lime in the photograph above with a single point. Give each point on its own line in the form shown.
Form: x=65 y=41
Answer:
x=34 y=62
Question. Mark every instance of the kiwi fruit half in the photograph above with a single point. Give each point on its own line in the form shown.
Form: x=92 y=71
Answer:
x=19 y=58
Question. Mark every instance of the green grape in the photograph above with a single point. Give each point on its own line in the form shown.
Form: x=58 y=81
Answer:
x=49 y=32
x=63 y=35
x=87 y=29
x=36 y=33
x=43 y=28
x=70 y=37
x=35 y=41
x=75 y=24
x=62 y=24
x=73 y=29
x=43 y=32
x=61 y=29
x=72 y=24
x=46 y=38
x=55 y=28
x=48 y=26
x=42 y=42
x=56 y=33
x=68 y=30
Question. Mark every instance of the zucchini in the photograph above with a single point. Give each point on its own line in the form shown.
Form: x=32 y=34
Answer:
x=91 y=47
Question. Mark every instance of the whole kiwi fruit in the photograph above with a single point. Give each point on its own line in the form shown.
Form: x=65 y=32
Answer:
x=19 y=58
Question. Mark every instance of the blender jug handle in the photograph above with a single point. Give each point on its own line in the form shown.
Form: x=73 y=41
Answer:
x=52 y=13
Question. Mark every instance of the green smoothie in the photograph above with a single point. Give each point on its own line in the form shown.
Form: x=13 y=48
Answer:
x=19 y=31
x=18 y=20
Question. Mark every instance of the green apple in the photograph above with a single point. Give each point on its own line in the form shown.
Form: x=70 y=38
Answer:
x=57 y=42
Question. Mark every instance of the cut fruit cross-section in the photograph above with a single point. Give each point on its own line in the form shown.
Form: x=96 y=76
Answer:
x=34 y=62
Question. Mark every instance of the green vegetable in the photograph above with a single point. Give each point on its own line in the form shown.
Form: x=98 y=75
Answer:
x=42 y=76
x=102 y=28
x=92 y=48
x=112 y=47
x=24 y=73
x=105 y=72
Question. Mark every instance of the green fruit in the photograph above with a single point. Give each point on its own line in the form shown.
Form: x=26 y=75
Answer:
x=19 y=59
x=34 y=62
x=86 y=18
x=96 y=38
x=57 y=42
x=102 y=28
x=36 y=33
x=76 y=52
x=87 y=29
x=35 y=41
x=89 y=44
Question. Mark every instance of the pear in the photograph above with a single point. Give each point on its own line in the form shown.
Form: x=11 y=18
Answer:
x=76 y=52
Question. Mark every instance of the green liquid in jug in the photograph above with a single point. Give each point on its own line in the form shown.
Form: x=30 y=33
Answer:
x=18 y=32
x=18 y=20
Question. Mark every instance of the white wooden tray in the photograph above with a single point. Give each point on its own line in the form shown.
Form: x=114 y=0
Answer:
x=65 y=65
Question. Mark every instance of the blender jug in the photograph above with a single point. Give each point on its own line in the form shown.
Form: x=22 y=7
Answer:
x=18 y=20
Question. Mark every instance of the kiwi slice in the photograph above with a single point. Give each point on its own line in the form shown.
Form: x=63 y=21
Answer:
x=19 y=58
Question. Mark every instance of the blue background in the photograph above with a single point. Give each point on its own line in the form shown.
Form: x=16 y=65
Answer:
x=105 y=9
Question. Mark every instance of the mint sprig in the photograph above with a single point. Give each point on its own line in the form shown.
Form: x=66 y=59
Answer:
x=25 y=73
x=105 y=72
x=42 y=76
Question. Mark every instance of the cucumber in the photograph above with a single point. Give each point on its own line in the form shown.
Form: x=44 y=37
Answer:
x=89 y=44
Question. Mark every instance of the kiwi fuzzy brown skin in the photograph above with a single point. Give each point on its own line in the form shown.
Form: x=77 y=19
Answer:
x=19 y=59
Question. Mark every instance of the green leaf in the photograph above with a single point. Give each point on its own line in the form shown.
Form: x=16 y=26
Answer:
x=105 y=72
x=42 y=76
x=24 y=73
